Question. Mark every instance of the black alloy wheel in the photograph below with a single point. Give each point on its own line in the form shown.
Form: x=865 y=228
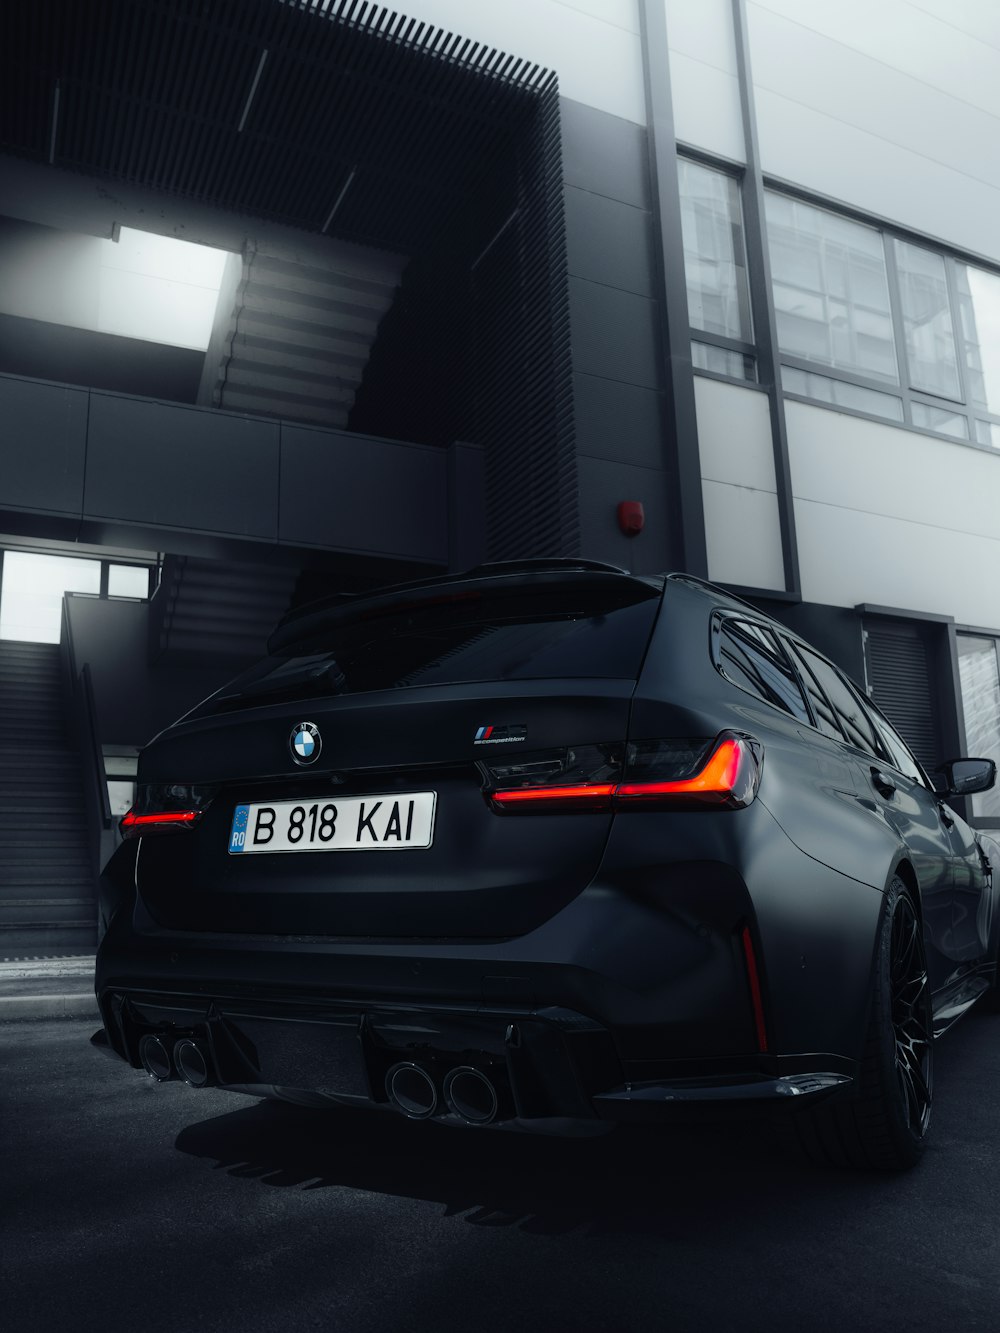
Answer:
x=882 y=1124
x=911 y=1015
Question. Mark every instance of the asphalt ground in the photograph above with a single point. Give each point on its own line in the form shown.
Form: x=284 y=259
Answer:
x=132 y=1206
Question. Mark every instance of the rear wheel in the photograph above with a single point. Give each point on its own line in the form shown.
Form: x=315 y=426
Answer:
x=884 y=1123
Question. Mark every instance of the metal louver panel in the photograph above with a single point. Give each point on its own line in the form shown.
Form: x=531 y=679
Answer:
x=340 y=117
x=901 y=672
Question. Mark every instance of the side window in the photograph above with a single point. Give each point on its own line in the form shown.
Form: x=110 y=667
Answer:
x=900 y=756
x=848 y=713
x=752 y=658
x=822 y=709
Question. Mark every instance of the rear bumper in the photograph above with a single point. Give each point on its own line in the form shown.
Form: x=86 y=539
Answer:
x=544 y=1063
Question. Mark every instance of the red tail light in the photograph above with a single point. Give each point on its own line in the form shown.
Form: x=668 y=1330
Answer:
x=165 y=809
x=724 y=773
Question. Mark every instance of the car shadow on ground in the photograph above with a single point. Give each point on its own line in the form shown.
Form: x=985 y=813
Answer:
x=649 y=1180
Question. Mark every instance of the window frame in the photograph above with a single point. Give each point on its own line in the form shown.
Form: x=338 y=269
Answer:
x=960 y=408
x=746 y=349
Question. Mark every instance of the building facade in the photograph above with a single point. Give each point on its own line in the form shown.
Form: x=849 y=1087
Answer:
x=300 y=296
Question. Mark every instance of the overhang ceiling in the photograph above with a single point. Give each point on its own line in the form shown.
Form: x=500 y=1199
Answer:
x=335 y=116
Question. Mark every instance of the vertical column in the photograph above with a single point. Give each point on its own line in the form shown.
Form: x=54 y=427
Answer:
x=684 y=471
x=762 y=301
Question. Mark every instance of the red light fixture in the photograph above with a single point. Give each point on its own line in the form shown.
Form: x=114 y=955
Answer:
x=631 y=517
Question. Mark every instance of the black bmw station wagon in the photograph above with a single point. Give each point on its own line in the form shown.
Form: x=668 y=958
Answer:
x=549 y=844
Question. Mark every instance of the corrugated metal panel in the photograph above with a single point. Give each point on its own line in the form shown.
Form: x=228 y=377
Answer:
x=901 y=675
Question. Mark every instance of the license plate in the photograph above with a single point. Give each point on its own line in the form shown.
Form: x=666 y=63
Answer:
x=349 y=824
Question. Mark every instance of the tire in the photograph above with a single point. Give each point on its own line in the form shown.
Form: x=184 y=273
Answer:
x=990 y=1003
x=883 y=1124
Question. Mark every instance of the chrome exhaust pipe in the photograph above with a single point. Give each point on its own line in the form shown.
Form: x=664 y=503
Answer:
x=155 y=1056
x=193 y=1062
x=412 y=1090
x=471 y=1095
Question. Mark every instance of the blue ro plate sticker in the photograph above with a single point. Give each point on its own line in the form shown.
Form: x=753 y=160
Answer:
x=238 y=837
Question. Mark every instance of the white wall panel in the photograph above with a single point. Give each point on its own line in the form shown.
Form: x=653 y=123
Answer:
x=741 y=530
x=598 y=58
x=890 y=517
x=977 y=18
x=868 y=128
x=742 y=527
x=706 y=105
x=859 y=167
x=935 y=47
x=703 y=79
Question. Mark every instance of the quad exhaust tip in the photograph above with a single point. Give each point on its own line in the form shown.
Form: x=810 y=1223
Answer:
x=412 y=1089
x=155 y=1056
x=194 y=1063
x=471 y=1095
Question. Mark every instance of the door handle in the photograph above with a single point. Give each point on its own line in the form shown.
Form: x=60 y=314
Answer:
x=883 y=783
x=946 y=818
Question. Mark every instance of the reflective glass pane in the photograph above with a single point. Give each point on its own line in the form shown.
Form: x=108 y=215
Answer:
x=940 y=419
x=32 y=593
x=831 y=293
x=930 y=337
x=979 y=314
x=988 y=432
x=841 y=394
x=706 y=356
x=714 y=253
x=128 y=581
x=977 y=668
x=751 y=658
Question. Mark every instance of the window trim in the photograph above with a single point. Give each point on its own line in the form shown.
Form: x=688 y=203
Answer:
x=889 y=233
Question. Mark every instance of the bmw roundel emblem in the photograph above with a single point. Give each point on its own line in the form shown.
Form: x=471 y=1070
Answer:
x=305 y=743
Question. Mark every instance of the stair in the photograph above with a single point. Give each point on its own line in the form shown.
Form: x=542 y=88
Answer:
x=217 y=609
x=301 y=330
x=46 y=877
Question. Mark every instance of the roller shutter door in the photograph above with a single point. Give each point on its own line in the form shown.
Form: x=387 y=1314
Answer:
x=901 y=674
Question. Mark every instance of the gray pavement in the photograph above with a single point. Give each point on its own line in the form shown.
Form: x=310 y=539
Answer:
x=131 y=1205
x=36 y=986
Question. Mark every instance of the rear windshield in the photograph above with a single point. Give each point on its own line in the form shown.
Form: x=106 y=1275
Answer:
x=498 y=634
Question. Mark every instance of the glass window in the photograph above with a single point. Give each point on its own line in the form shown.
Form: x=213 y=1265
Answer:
x=578 y=629
x=977 y=669
x=821 y=707
x=831 y=293
x=738 y=366
x=940 y=419
x=841 y=394
x=850 y=716
x=751 y=657
x=32 y=593
x=714 y=253
x=128 y=581
x=927 y=326
x=895 y=746
x=979 y=315
x=988 y=432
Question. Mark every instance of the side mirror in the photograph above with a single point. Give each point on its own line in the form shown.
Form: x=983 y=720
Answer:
x=962 y=777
